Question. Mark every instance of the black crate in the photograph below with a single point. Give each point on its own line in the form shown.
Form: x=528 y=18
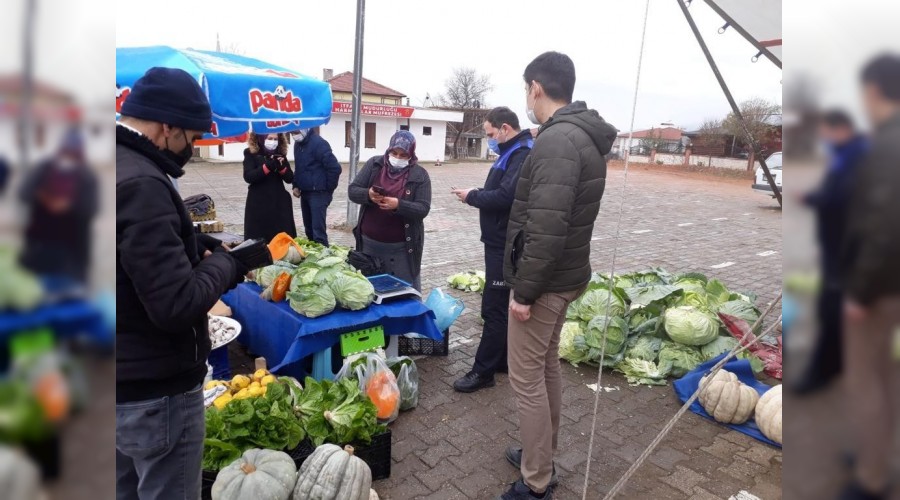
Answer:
x=423 y=346
x=209 y=477
x=377 y=454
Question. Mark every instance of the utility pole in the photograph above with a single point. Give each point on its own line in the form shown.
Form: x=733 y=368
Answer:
x=353 y=208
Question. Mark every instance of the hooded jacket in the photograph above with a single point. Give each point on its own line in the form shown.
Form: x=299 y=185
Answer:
x=163 y=288
x=548 y=241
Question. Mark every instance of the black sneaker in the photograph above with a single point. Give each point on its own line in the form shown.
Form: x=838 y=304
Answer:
x=854 y=491
x=473 y=382
x=514 y=456
x=520 y=491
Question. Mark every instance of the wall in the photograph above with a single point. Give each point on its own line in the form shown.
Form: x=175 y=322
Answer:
x=673 y=159
x=429 y=148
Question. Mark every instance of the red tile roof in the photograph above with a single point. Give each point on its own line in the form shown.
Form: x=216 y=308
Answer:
x=344 y=83
x=665 y=133
x=13 y=85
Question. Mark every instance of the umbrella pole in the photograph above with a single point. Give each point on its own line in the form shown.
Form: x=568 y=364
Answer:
x=353 y=208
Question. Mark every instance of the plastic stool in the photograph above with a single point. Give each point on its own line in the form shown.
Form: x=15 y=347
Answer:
x=322 y=368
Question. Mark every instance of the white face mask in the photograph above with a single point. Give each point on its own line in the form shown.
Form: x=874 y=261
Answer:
x=300 y=135
x=271 y=144
x=398 y=163
x=529 y=111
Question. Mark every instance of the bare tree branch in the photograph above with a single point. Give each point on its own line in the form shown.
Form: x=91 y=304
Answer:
x=465 y=91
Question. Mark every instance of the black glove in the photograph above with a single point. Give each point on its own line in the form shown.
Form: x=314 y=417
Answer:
x=207 y=242
x=241 y=270
x=253 y=254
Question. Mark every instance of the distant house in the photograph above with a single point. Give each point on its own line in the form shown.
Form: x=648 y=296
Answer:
x=667 y=139
x=723 y=144
x=54 y=112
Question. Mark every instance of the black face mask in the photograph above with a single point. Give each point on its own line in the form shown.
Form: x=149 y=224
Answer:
x=182 y=157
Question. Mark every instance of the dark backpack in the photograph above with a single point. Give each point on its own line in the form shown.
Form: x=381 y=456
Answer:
x=201 y=207
x=366 y=264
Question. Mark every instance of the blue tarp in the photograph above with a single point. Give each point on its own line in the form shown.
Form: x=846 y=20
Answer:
x=282 y=336
x=244 y=93
x=687 y=385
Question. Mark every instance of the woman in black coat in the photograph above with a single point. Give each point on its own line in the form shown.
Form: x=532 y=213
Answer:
x=395 y=194
x=269 y=209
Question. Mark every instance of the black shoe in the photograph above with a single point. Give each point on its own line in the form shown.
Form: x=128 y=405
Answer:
x=473 y=382
x=520 y=491
x=812 y=383
x=514 y=456
x=854 y=491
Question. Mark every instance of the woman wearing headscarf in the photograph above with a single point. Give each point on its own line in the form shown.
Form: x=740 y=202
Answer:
x=269 y=208
x=395 y=194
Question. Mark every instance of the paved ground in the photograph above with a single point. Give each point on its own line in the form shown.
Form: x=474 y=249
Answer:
x=451 y=446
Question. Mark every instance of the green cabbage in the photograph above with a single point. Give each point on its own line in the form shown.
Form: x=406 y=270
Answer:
x=340 y=251
x=572 y=346
x=266 y=276
x=690 y=326
x=643 y=347
x=738 y=308
x=469 y=281
x=641 y=372
x=676 y=360
x=717 y=347
x=616 y=333
x=304 y=275
x=312 y=301
x=594 y=303
x=352 y=290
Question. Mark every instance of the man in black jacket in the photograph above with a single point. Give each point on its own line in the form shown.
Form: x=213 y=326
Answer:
x=164 y=289
x=547 y=257
x=870 y=272
x=512 y=146
x=316 y=175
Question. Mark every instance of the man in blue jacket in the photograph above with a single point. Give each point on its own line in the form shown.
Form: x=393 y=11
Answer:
x=316 y=175
x=511 y=145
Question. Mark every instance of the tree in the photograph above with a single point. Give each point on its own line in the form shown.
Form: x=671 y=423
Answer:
x=653 y=141
x=465 y=91
x=758 y=114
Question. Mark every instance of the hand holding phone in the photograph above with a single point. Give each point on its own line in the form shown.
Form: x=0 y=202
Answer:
x=380 y=190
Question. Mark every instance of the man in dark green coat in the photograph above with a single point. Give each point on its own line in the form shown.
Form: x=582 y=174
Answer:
x=547 y=257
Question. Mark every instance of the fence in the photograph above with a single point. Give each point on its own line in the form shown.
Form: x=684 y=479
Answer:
x=693 y=160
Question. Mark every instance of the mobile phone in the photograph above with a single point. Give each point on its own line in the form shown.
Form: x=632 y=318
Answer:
x=380 y=190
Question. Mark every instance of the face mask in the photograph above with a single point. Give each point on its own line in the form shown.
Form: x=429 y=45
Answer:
x=398 y=163
x=493 y=146
x=300 y=135
x=182 y=157
x=271 y=144
x=66 y=164
x=529 y=111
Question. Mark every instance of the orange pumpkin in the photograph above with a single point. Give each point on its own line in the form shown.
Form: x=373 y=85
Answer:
x=382 y=390
x=280 y=287
x=280 y=244
x=52 y=393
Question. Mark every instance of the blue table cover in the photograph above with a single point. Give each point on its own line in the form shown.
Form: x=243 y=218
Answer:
x=685 y=387
x=65 y=319
x=282 y=336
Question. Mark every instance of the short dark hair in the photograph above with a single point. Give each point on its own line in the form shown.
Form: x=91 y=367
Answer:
x=500 y=115
x=884 y=73
x=836 y=118
x=556 y=74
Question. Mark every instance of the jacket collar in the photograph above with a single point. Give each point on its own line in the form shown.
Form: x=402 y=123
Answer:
x=520 y=137
x=145 y=147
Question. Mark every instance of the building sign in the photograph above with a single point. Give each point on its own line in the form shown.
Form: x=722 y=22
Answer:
x=373 y=110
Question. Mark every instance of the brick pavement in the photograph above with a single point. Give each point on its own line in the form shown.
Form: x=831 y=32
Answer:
x=452 y=445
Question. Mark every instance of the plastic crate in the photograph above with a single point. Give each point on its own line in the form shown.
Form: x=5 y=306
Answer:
x=421 y=346
x=218 y=358
x=377 y=454
x=209 y=477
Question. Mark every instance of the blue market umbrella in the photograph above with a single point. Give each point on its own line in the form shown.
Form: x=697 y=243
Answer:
x=245 y=94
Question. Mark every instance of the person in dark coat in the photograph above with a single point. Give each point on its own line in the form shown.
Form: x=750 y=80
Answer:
x=61 y=194
x=511 y=145
x=830 y=202
x=395 y=194
x=870 y=273
x=164 y=289
x=269 y=209
x=4 y=174
x=316 y=175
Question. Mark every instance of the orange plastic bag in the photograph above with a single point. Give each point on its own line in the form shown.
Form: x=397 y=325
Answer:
x=280 y=245
x=382 y=389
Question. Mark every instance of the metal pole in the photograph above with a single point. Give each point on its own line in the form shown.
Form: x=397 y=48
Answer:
x=27 y=85
x=353 y=208
x=734 y=107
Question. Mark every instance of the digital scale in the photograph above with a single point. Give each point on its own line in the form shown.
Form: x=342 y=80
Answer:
x=390 y=287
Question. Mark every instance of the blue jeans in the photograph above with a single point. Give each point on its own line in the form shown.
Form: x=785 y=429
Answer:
x=159 y=447
x=314 y=207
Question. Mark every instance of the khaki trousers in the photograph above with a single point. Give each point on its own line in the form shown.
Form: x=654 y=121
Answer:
x=868 y=379
x=537 y=382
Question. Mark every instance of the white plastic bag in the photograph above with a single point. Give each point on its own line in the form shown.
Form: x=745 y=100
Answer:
x=376 y=381
x=407 y=374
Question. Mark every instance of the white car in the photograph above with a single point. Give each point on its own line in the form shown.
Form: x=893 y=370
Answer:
x=760 y=183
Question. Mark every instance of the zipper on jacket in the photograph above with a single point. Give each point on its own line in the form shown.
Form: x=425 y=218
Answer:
x=196 y=349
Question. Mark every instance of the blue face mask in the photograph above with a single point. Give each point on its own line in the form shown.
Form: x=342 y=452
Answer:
x=494 y=146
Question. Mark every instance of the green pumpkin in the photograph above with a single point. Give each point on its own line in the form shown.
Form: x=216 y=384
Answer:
x=257 y=475
x=19 y=478
x=332 y=473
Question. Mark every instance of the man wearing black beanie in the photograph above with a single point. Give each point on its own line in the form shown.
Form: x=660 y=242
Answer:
x=165 y=285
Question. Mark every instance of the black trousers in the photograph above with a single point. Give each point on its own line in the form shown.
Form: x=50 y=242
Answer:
x=491 y=355
x=826 y=355
x=314 y=208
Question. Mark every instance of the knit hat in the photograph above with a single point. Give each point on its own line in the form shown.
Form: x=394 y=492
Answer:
x=170 y=96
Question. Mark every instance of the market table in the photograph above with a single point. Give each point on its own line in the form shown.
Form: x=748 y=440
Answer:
x=283 y=336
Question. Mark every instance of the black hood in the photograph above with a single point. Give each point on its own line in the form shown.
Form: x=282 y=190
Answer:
x=601 y=133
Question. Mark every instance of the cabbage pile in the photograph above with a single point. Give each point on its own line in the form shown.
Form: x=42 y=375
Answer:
x=652 y=324
x=469 y=281
x=20 y=290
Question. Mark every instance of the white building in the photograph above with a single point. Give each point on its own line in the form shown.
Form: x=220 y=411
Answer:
x=382 y=114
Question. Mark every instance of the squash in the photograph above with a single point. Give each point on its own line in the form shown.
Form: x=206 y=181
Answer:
x=257 y=475
x=280 y=287
x=19 y=477
x=768 y=414
x=280 y=244
x=332 y=473
x=382 y=389
x=373 y=495
x=727 y=399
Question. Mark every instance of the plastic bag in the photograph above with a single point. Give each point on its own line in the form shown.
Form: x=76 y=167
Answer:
x=377 y=381
x=407 y=374
x=446 y=308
